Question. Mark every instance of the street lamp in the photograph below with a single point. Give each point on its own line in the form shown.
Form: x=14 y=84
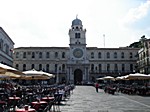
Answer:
x=133 y=71
x=57 y=75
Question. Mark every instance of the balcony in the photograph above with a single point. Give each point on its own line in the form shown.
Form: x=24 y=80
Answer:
x=105 y=72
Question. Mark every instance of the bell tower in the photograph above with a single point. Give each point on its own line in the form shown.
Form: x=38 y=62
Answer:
x=77 y=60
x=77 y=40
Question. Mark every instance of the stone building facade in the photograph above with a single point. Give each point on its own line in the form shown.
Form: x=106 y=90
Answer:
x=77 y=63
x=6 y=48
x=144 y=58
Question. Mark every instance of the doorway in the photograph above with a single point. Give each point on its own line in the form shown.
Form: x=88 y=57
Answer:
x=78 y=77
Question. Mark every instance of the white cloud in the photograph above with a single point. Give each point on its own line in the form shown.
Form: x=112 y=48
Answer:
x=46 y=23
x=135 y=14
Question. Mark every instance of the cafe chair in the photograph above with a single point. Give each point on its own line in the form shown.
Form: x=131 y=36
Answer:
x=56 y=103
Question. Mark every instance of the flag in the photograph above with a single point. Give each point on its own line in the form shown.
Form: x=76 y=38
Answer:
x=12 y=50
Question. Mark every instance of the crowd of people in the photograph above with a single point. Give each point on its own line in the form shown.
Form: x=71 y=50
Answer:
x=126 y=88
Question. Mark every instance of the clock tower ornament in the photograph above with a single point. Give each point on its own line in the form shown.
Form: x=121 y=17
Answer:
x=77 y=53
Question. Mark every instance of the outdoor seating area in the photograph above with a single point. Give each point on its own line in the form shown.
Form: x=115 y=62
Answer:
x=127 y=89
x=33 y=98
x=132 y=84
x=30 y=91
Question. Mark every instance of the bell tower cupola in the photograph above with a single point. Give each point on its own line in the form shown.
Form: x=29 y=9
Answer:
x=77 y=33
x=76 y=22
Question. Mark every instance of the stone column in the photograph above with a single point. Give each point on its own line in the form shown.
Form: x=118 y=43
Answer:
x=71 y=75
x=68 y=74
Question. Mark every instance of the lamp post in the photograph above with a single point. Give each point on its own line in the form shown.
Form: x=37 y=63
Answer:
x=133 y=71
x=57 y=75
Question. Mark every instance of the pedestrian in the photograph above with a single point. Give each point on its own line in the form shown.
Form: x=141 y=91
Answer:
x=97 y=86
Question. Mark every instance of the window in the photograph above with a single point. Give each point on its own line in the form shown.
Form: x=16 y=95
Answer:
x=40 y=55
x=63 y=55
x=147 y=63
x=33 y=55
x=32 y=66
x=100 y=67
x=1 y=44
x=56 y=67
x=63 y=67
x=92 y=55
x=92 y=67
x=108 y=67
x=24 y=67
x=147 y=54
x=99 y=55
x=47 y=67
x=115 y=67
x=115 y=55
x=131 y=67
x=123 y=67
x=7 y=49
x=108 y=55
x=122 y=55
x=17 y=54
x=77 y=35
x=56 y=54
x=59 y=68
x=17 y=66
x=77 y=42
x=144 y=54
x=47 y=55
x=96 y=68
x=24 y=54
x=131 y=55
x=40 y=66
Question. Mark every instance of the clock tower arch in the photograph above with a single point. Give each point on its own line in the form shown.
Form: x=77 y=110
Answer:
x=77 y=52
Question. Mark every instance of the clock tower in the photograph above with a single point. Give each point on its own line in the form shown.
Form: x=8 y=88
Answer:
x=78 y=64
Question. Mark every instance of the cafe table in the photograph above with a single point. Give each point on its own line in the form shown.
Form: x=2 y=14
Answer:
x=47 y=98
x=13 y=100
x=3 y=102
x=36 y=105
x=25 y=110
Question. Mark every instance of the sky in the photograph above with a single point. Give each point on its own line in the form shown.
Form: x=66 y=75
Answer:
x=46 y=23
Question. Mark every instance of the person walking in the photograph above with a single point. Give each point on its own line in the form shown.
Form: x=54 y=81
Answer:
x=97 y=86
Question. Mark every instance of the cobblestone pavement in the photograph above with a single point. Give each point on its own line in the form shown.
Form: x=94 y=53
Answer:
x=85 y=99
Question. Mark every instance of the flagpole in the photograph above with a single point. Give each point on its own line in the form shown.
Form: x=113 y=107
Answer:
x=104 y=39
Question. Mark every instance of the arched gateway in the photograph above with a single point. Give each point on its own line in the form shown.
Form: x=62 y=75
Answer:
x=78 y=76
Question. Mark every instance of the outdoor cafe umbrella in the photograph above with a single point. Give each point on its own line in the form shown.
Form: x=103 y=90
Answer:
x=9 y=72
x=106 y=78
x=34 y=74
x=37 y=77
x=137 y=76
x=121 y=77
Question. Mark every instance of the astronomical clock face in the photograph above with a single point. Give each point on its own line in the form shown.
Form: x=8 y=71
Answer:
x=78 y=53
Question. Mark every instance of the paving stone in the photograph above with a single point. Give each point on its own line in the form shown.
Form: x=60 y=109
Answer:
x=86 y=99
